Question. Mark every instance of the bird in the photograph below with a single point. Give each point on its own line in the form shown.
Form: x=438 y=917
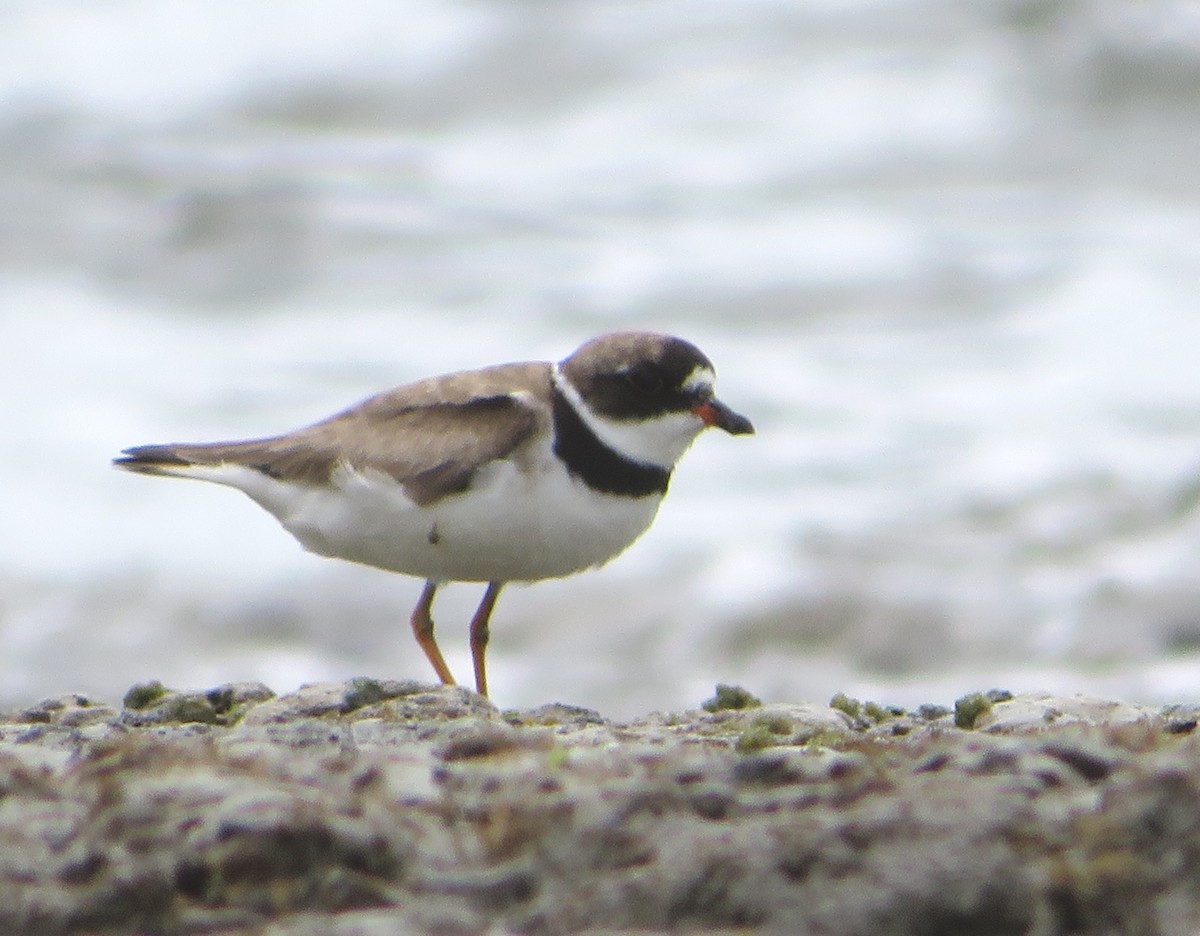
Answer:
x=511 y=473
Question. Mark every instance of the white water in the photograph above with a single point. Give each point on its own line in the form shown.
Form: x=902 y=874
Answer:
x=945 y=255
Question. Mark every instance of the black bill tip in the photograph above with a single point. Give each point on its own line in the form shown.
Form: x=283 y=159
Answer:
x=716 y=413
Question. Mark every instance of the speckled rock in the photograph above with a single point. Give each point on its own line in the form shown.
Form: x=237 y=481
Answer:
x=1034 y=711
x=69 y=711
x=153 y=704
x=378 y=807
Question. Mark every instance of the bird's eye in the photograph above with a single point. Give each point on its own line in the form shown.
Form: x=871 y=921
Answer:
x=644 y=379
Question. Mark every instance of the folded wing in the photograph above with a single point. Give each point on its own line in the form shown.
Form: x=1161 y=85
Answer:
x=430 y=436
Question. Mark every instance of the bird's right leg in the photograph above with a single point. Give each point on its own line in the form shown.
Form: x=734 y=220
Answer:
x=422 y=625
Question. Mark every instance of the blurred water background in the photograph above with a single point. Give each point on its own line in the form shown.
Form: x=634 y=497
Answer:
x=945 y=254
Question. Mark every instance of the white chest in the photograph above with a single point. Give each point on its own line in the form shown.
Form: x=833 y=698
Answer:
x=516 y=523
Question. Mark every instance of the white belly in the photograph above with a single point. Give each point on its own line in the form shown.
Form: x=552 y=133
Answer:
x=511 y=526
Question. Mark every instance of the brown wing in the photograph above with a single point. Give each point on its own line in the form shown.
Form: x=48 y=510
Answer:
x=431 y=436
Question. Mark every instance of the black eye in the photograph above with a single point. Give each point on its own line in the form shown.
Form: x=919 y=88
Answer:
x=645 y=379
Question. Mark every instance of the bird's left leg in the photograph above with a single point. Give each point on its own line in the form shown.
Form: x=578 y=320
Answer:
x=480 y=634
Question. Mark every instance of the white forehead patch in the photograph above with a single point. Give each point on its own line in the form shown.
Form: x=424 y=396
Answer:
x=701 y=378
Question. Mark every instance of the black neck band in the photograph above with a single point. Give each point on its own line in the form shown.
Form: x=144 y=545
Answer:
x=597 y=465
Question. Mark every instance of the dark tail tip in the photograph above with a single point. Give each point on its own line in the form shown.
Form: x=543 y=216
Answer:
x=147 y=456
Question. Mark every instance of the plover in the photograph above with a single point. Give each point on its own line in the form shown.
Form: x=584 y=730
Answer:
x=513 y=473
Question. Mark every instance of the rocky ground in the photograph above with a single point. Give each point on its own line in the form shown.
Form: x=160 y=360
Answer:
x=377 y=807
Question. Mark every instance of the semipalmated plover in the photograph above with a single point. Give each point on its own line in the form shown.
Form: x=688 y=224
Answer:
x=513 y=473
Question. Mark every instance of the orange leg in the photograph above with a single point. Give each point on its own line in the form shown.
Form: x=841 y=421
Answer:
x=480 y=634
x=422 y=625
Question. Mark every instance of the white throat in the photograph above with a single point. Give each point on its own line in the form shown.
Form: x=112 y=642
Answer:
x=660 y=441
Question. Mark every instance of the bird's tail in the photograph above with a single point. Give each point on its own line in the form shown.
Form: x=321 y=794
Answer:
x=206 y=462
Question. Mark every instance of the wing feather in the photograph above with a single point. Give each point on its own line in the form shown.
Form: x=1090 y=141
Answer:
x=431 y=436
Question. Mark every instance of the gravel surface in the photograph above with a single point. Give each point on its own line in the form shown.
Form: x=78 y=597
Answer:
x=379 y=807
